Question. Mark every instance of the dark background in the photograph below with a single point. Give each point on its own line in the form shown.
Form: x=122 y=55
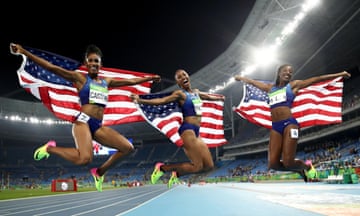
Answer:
x=148 y=36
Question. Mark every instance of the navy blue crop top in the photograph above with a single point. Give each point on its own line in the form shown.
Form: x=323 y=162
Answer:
x=192 y=105
x=94 y=93
x=281 y=96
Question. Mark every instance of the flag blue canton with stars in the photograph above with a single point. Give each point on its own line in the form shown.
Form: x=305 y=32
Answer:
x=254 y=93
x=158 y=111
x=40 y=73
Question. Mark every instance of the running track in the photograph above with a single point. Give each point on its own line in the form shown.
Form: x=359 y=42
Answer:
x=222 y=199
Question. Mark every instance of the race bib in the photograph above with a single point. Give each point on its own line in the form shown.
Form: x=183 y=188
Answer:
x=294 y=133
x=278 y=96
x=82 y=117
x=98 y=94
x=197 y=105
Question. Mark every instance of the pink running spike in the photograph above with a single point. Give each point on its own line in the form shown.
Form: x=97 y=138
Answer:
x=158 y=165
x=308 y=162
x=93 y=171
x=51 y=143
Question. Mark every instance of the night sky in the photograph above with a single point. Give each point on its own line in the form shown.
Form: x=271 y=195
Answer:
x=151 y=36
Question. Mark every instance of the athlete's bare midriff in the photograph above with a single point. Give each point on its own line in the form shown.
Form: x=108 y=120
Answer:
x=280 y=113
x=194 y=120
x=93 y=110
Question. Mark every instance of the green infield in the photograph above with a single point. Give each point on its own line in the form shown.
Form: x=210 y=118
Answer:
x=17 y=193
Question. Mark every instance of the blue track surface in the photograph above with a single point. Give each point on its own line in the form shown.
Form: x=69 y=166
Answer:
x=295 y=199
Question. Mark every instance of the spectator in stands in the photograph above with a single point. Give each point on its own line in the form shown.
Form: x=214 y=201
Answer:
x=196 y=150
x=88 y=124
x=285 y=128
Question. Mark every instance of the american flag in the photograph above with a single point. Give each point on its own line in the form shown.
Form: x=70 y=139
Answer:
x=61 y=97
x=168 y=117
x=318 y=104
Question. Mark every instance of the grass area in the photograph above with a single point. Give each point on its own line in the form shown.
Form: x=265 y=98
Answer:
x=23 y=193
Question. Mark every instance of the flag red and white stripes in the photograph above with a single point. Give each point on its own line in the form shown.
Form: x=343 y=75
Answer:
x=318 y=104
x=61 y=97
x=168 y=117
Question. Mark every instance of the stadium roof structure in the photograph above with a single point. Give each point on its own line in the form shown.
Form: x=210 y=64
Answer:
x=325 y=41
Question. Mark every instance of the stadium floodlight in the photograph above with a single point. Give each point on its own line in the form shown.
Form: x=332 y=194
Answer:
x=310 y=4
x=33 y=120
x=263 y=56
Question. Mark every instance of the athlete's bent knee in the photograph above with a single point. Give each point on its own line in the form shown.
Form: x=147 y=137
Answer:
x=198 y=167
x=84 y=161
x=209 y=168
x=129 y=150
